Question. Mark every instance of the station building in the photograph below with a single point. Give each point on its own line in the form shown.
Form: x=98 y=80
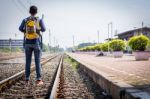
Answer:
x=13 y=43
x=128 y=34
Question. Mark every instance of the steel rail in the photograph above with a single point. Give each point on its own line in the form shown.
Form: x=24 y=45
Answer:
x=10 y=57
x=55 y=86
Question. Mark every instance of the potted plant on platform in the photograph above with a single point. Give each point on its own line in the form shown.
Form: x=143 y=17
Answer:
x=117 y=47
x=138 y=45
x=104 y=47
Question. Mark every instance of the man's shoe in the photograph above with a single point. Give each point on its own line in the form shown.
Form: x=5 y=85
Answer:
x=39 y=82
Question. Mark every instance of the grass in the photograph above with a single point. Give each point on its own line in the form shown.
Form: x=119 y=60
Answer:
x=7 y=49
x=73 y=63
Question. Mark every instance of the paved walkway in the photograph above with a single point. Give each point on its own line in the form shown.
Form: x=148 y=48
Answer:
x=136 y=73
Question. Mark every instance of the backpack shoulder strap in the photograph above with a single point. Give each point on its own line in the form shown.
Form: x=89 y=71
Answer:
x=27 y=19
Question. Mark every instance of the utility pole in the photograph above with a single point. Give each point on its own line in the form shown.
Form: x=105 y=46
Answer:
x=49 y=40
x=108 y=32
x=54 y=44
x=111 y=30
x=73 y=42
x=10 y=46
x=116 y=32
x=57 y=45
x=142 y=28
x=98 y=36
x=108 y=37
x=15 y=35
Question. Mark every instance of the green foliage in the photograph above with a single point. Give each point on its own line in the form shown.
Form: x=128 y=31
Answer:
x=97 y=47
x=104 y=46
x=82 y=45
x=73 y=63
x=148 y=46
x=117 y=45
x=16 y=49
x=138 y=43
x=45 y=48
x=90 y=48
x=87 y=48
x=13 y=49
x=6 y=49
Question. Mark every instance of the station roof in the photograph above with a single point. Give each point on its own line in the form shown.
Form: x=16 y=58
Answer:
x=138 y=29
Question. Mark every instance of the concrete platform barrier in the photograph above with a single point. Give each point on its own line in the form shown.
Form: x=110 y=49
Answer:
x=114 y=88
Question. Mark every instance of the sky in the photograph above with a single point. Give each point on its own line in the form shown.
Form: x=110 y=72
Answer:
x=79 y=18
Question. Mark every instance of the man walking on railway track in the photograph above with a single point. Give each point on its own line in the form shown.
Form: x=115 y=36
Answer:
x=31 y=27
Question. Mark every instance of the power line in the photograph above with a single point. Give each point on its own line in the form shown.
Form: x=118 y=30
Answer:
x=27 y=2
x=13 y=1
x=22 y=5
x=30 y=2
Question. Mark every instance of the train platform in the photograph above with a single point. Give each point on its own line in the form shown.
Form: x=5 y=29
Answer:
x=120 y=77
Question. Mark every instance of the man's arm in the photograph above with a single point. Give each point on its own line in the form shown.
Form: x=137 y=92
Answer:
x=43 y=29
x=22 y=26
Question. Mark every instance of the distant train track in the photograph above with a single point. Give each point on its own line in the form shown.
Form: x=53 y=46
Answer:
x=10 y=57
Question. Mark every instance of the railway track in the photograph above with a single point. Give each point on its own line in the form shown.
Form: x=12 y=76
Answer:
x=7 y=57
x=18 y=58
x=72 y=83
x=62 y=80
x=14 y=56
x=14 y=87
x=13 y=66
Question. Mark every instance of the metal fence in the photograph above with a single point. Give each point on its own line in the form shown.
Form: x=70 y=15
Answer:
x=11 y=43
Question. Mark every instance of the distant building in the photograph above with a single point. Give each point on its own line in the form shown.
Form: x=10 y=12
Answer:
x=11 y=43
x=128 y=34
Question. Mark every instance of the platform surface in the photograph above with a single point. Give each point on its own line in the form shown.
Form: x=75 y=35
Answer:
x=126 y=69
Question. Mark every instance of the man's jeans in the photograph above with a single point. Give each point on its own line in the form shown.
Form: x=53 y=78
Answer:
x=37 y=55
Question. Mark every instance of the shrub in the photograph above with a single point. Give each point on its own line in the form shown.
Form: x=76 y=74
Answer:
x=117 y=45
x=148 y=46
x=6 y=49
x=138 y=43
x=88 y=48
x=97 y=47
x=91 y=48
x=81 y=49
x=85 y=49
x=104 y=46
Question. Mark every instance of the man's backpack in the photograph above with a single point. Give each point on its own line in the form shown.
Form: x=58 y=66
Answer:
x=32 y=28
